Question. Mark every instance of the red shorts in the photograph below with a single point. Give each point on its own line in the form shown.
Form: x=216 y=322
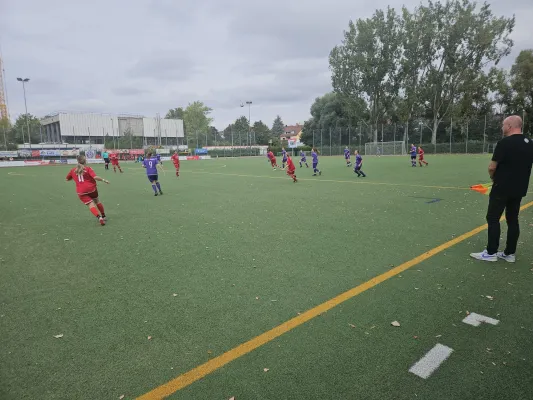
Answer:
x=290 y=172
x=177 y=166
x=88 y=197
x=114 y=162
x=273 y=161
x=420 y=158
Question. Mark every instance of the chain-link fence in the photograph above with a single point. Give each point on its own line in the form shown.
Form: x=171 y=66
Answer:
x=478 y=135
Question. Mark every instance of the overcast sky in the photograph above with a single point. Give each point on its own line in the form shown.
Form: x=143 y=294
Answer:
x=146 y=56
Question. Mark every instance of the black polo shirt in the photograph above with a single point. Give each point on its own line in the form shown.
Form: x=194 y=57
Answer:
x=514 y=155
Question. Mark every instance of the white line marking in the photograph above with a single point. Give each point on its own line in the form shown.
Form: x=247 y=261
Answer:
x=431 y=361
x=476 y=320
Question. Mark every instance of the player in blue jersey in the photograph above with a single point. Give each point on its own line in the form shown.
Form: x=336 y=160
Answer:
x=158 y=156
x=358 y=165
x=347 y=156
x=283 y=157
x=314 y=155
x=151 y=163
x=303 y=159
x=413 y=155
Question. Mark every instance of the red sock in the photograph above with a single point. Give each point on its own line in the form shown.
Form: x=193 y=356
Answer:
x=95 y=212
x=101 y=208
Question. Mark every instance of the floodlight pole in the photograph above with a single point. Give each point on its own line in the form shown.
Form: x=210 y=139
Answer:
x=26 y=107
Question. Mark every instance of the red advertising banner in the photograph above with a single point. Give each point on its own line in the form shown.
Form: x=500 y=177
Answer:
x=35 y=153
x=193 y=158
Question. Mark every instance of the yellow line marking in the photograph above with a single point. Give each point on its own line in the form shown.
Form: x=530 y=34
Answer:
x=336 y=181
x=212 y=365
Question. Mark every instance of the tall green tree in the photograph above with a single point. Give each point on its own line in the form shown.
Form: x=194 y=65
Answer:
x=414 y=62
x=500 y=86
x=175 y=113
x=331 y=112
x=522 y=85
x=278 y=127
x=261 y=132
x=196 y=119
x=241 y=131
x=366 y=63
x=20 y=129
x=464 y=40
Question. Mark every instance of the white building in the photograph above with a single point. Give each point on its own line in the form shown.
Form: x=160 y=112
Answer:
x=75 y=128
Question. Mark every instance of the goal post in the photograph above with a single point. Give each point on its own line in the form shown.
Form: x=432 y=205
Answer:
x=385 y=149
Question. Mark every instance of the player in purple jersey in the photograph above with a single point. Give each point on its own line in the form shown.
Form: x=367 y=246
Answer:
x=347 y=156
x=413 y=155
x=151 y=163
x=158 y=156
x=358 y=165
x=303 y=159
x=314 y=155
x=283 y=157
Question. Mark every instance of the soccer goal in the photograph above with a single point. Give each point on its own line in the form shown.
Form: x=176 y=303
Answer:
x=385 y=149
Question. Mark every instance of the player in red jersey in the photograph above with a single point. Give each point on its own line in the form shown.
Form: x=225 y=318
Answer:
x=291 y=168
x=176 y=160
x=114 y=162
x=85 y=179
x=421 y=157
x=272 y=159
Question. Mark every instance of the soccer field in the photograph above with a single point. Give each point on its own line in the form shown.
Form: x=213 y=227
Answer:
x=239 y=283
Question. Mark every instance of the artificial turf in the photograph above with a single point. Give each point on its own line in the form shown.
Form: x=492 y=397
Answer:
x=232 y=250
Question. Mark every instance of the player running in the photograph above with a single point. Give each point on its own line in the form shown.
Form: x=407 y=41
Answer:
x=413 y=155
x=85 y=179
x=347 y=156
x=291 y=169
x=272 y=159
x=176 y=160
x=151 y=163
x=421 y=156
x=303 y=159
x=283 y=157
x=358 y=165
x=114 y=162
x=314 y=155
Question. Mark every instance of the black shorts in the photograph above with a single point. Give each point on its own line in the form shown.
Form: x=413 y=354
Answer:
x=106 y=160
x=413 y=157
x=152 y=178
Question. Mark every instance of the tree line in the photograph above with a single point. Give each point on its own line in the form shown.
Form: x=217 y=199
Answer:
x=432 y=65
x=199 y=131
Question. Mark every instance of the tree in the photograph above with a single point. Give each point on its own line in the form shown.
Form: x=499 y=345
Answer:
x=522 y=85
x=175 y=113
x=20 y=129
x=366 y=66
x=500 y=85
x=463 y=41
x=196 y=119
x=414 y=62
x=6 y=134
x=241 y=130
x=332 y=111
x=262 y=133
x=278 y=128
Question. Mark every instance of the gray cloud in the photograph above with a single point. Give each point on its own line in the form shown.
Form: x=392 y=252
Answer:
x=163 y=65
x=151 y=55
x=129 y=91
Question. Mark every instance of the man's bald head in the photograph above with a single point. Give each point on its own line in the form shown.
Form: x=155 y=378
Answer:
x=512 y=125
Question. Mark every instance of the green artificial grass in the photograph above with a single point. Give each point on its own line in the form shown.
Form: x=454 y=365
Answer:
x=232 y=250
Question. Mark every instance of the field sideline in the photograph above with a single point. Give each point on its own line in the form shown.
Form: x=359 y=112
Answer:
x=238 y=282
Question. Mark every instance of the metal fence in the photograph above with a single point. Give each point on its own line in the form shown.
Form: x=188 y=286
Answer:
x=477 y=135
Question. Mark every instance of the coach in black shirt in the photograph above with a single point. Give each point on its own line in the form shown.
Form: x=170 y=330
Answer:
x=509 y=170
